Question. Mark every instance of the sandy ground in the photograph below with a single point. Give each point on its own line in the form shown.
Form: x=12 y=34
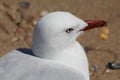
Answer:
x=17 y=22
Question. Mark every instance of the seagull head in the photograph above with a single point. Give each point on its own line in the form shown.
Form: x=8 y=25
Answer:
x=60 y=29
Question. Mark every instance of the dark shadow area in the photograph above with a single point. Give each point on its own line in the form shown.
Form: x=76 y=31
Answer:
x=26 y=51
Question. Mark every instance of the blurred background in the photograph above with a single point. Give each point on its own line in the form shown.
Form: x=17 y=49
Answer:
x=18 y=18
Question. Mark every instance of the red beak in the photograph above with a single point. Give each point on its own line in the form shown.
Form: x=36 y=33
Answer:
x=94 y=24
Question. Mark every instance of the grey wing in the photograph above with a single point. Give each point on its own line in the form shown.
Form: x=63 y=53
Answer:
x=17 y=66
x=53 y=73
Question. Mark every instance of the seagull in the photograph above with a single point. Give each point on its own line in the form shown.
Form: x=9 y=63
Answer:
x=55 y=53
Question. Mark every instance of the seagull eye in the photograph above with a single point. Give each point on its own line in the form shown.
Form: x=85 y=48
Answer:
x=69 y=30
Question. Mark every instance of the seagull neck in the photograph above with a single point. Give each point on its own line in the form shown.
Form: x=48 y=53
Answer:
x=72 y=56
x=47 y=51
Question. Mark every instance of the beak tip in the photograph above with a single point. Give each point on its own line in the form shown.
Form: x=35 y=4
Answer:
x=105 y=23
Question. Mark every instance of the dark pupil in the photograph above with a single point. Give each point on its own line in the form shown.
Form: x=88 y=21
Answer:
x=69 y=30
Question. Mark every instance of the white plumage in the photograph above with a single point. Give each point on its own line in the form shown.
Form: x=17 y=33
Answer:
x=56 y=55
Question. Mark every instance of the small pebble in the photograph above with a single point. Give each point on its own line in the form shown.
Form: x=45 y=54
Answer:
x=107 y=71
x=104 y=33
x=24 y=4
x=43 y=13
x=15 y=39
x=94 y=68
x=34 y=22
x=113 y=65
